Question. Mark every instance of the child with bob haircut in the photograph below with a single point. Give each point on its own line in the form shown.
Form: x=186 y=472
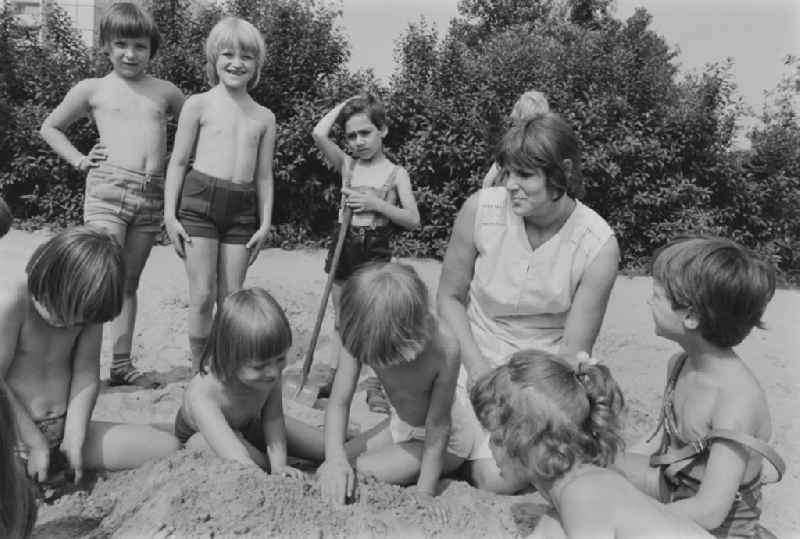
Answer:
x=708 y=294
x=218 y=213
x=50 y=336
x=125 y=170
x=372 y=186
x=529 y=104
x=558 y=428
x=17 y=501
x=386 y=323
x=233 y=405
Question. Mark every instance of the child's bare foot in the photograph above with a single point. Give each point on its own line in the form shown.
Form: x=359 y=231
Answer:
x=131 y=376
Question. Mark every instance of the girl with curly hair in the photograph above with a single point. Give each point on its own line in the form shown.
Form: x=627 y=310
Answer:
x=558 y=428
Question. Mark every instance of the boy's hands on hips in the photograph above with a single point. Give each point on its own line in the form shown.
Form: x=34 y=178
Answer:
x=97 y=154
x=337 y=480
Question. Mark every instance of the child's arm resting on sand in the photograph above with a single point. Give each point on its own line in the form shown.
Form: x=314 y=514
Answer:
x=265 y=187
x=185 y=138
x=405 y=215
x=275 y=434
x=336 y=477
x=74 y=106
x=11 y=310
x=83 y=392
x=725 y=468
x=321 y=134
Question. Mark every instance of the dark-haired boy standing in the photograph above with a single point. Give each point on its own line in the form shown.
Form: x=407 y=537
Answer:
x=125 y=180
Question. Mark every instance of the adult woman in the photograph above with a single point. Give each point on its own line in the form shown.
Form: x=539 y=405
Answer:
x=528 y=265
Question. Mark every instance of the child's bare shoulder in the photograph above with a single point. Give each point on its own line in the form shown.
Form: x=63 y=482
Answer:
x=196 y=101
x=14 y=298
x=264 y=116
x=202 y=390
x=87 y=88
x=741 y=402
x=166 y=90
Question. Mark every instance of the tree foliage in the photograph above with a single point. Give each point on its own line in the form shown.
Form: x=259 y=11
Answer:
x=658 y=150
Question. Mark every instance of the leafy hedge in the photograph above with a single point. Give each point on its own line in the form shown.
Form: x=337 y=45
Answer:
x=658 y=150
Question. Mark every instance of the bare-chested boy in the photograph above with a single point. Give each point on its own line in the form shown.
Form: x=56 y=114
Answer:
x=125 y=181
x=50 y=333
x=385 y=322
x=225 y=205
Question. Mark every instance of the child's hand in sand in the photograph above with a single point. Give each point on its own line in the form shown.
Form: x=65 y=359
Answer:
x=436 y=507
x=337 y=480
x=288 y=471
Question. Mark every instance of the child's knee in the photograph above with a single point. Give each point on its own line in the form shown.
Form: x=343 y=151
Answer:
x=197 y=443
x=204 y=298
x=366 y=466
x=170 y=444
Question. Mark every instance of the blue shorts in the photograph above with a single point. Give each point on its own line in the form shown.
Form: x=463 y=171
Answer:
x=127 y=197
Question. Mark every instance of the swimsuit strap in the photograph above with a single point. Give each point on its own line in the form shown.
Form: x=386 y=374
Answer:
x=674 y=459
x=669 y=391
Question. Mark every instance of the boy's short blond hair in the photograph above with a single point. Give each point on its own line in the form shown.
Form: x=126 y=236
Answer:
x=235 y=33
x=384 y=315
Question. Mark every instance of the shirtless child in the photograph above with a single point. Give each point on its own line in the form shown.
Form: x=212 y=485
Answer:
x=386 y=323
x=125 y=182
x=50 y=333
x=226 y=198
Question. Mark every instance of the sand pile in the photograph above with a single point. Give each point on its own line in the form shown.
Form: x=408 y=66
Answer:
x=192 y=495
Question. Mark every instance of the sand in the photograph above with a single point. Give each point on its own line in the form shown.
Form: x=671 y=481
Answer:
x=189 y=495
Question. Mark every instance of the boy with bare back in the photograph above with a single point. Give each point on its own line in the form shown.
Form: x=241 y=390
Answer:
x=225 y=199
x=50 y=333
x=125 y=181
x=385 y=322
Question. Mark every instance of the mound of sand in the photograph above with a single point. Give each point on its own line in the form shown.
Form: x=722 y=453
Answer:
x=189 y=496
x=192 y=495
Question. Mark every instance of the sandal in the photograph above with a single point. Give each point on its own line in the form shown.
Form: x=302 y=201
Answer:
x=376 y=398
x=131 y=376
